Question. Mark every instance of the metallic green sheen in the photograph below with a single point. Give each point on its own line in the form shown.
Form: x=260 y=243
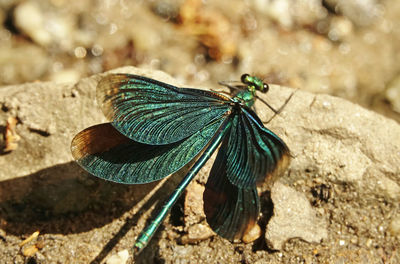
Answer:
x=134 y=163
x=247 y=154
x=145 y=236
x=164 y=128
x=156 y=113
x=252 y=150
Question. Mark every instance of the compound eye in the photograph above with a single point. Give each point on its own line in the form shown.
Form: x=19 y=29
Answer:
x=265 y=88
x=244 y=77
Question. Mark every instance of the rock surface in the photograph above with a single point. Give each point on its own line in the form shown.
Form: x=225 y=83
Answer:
x=346 y=162
x=293 y=218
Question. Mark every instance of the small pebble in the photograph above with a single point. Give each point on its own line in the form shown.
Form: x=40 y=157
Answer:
x=120 y=258
x=394 y=226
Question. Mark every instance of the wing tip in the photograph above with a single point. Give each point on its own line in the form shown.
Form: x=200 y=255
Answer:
x=277 y=172
x=108 y=87
x=95 y=139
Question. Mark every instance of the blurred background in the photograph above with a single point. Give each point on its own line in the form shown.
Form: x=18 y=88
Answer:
x=344 y=48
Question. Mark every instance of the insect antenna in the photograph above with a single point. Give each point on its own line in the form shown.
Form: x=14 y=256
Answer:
x=233 y=87
x=276 y=112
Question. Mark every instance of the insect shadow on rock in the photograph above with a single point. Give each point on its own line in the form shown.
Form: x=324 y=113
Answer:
x=157 y=128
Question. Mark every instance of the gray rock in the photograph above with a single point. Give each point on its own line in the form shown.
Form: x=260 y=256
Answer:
x=342 y=142
x=293 y=218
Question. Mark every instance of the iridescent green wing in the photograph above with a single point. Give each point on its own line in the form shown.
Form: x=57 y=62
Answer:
x=152 y=112
x=230 y=210
x=107 y=154
x=254 y=152
x=248 y=155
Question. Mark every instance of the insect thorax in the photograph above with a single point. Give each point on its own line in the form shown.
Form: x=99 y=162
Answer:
x=245 y=97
